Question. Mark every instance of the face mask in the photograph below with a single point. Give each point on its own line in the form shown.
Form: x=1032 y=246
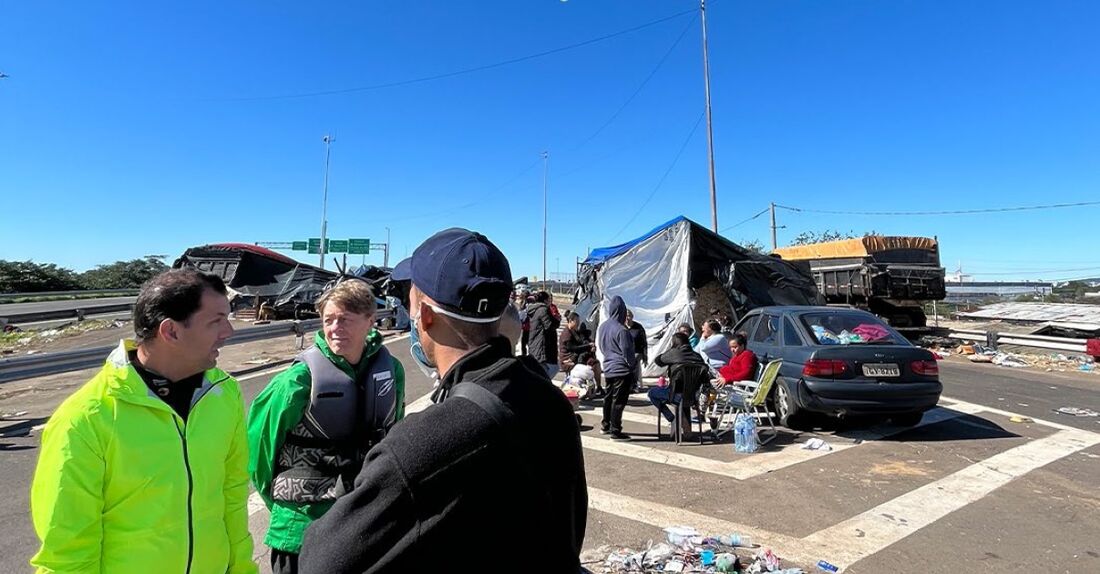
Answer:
x=417 y=350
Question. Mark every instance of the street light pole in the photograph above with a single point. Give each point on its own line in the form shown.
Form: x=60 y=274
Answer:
x=710 y=132
x=386 y=254
x=545 y=188
x=324 y=198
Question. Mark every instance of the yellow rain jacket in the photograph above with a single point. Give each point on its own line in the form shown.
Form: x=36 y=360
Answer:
x=124 y=485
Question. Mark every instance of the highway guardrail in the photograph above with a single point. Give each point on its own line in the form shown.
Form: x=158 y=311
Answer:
x=16 y=368
x=993 y=339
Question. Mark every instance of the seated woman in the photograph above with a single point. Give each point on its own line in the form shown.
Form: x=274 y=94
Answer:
x=742 y=367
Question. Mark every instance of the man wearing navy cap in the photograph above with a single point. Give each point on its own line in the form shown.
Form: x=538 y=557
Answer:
x=497 y=459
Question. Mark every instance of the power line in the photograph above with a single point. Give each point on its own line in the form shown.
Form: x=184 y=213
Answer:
x=663 y=177
x=640 y=86
x=949 y=212
x=464 y=71
x=744 y=221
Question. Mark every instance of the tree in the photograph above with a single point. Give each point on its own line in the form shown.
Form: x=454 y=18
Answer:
x=29 y=277
x=754 y=246
x=123 y=274
x=811 y=237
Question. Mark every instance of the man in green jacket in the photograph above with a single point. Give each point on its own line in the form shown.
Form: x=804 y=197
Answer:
x=144 y=468
x=310 y=429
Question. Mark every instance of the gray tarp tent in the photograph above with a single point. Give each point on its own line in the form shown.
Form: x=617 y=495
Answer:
x=664 y=274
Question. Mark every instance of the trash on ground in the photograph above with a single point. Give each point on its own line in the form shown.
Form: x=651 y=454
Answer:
x=816 y=444
x=1076 y=412
x=1019 y=419
x=1010 y=360
x=688 y=551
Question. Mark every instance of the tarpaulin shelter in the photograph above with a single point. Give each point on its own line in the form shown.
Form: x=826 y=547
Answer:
x=662 y=274
x=255 y=271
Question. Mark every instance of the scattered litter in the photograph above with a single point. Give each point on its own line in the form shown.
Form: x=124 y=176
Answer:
x=980 y=358
x=1022 y=404
x=688 y=551
x=1009 y=360
x=678 y=535
x=1077 y=412
x=12 y=415
x=1019 y=419
x=32 y=352
x=816 y=444
x=826 y=567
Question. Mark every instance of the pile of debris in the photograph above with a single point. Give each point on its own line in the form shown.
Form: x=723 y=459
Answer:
x=688 y=551
x=975 y=353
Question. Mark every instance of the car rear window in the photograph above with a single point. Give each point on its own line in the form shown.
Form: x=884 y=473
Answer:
x=849 y=329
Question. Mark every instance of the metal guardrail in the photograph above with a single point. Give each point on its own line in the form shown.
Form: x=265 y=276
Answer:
x=78 y=313
x=78 y=293
x=16 y=368
x=993 y=339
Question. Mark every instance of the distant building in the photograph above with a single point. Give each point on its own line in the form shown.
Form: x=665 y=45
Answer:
x=978 y=291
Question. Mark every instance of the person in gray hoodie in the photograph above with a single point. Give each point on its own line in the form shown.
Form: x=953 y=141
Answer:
x=616 y=344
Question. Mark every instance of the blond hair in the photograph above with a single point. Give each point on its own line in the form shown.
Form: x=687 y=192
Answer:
x=353 y=295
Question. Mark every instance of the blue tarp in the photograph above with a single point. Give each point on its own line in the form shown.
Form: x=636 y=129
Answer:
x=602 y=254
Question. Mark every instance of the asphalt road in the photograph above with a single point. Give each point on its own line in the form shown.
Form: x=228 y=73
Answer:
x=969 y=490
x=20 y=308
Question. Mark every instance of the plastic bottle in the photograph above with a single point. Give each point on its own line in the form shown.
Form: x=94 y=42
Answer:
x=750 y=434
x=735 y=540
x=826 y=567
x=739 y=433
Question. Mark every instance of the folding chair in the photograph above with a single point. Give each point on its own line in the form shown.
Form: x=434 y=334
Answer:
x=684 y=380
x=749 y=399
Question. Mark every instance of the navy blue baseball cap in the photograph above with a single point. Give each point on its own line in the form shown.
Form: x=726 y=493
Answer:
x=462 y=271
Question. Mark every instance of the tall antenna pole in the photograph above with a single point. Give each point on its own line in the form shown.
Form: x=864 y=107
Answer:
x=545 y=190
x=710 y=131
x=324 y=198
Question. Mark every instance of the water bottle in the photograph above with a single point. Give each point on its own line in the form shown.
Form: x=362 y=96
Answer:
x=750 y=434
x=735 y=540
x=826 y=567
x=739 y=433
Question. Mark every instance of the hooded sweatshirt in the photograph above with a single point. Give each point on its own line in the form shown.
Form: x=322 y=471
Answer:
x=615 y=341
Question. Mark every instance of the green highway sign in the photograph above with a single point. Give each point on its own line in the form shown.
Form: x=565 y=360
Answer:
x=301 y=245
x=338 y=246
x=314 y=246
x=358 y=246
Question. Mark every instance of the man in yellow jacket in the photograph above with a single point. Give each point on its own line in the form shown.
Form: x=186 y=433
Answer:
x=144 y=468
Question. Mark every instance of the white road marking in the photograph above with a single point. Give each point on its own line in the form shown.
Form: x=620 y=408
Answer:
x=255 y=503
x=749 y=466
x=983 y=408
x=870 y=532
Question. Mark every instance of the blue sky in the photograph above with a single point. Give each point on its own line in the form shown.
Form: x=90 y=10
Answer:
x=132 y=128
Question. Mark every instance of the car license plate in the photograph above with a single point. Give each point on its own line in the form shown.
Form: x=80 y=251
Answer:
x=881 y=370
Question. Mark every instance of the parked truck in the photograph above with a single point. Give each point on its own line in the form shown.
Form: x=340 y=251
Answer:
x=891 y=277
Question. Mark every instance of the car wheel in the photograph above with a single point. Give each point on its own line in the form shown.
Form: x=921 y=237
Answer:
x=786 y=407
x=907 y=419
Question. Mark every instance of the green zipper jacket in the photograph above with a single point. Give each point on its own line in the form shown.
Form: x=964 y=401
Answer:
x=277 y=410
x=123 y=485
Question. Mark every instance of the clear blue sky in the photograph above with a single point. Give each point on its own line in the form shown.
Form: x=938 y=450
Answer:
x=132 y=128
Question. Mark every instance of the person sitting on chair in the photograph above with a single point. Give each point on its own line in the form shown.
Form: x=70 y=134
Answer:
x=680 y=354
x=742 y=367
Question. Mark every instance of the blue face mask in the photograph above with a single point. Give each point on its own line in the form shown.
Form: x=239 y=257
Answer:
x=417 y=350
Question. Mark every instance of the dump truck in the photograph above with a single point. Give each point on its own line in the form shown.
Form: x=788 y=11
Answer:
x=891 y=277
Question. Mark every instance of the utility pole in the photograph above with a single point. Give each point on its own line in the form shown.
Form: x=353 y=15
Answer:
x=545 y=190
x=710 y=131
x=386 y=254
x=324 y=198
x=775 y=244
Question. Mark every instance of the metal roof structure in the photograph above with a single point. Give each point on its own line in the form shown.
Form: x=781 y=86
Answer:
x=1081 y=315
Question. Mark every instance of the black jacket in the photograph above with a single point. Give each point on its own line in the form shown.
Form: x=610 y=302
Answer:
x=676 y=356
x=641 y=345
x=570 y=345
x=543 y=344
x=445 y=485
